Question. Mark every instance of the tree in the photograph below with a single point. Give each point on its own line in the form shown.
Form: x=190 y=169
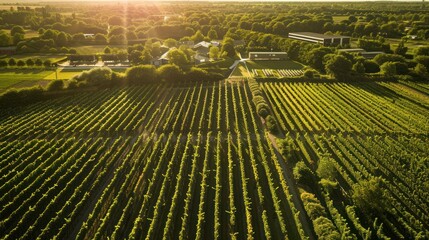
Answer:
x=115 y=20
x=422 y=51
x=326 y=168
x=358 y=67
x=384 y=57
x=170 y=42
x=212 y=34
x=303 y=174
x=29 y=62
x=107 y=50
x=3 y=63
x=100 y=38
x=315 y=57
x=371 y=66
x=62 y=39
x=368 y=195
x=170 y=73
x=38 y=62
x=140 y=74
x=47 y=63
x=196 y=74
x=20 y=63
x=146 y=57
x=228 y=48
x=5 y=39
x=388 y=68
x=197 y=37
x=339 y=66
x=55 y=85
x=177 y=57
x=214 y=52
x=17 y=37
x=17 y=29
x=421 y=70
x=401 y=49
x=11 y=62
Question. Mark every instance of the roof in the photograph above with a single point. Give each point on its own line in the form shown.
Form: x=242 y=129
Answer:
x=267 y=53
x=351 y=50
x=202 y=44
x=165 y=55
x=316 y=35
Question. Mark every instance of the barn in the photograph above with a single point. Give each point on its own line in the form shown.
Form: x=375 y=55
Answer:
x=325 y=40
x=268 y=56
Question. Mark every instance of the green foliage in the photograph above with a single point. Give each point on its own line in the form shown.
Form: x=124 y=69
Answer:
x=214 y=52
x=55 y=85
x=196 y=74
x=96 y=77
x=271 y=124
x=325 y=229
x=424 y=50
x=16 y=97
x=11 y=62
x=170 y=73
x=339 y=66
x=303 y=174
x=368 y=195
x=287 y=147
x=371 y=66
x=388 y=68
x=326 y=168
x=140 y=74
x=382 y=58
x=177 y=57
x=359 y=67
x=17 y=29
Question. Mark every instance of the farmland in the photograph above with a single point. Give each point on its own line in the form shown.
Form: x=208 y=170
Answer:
x=166 y=160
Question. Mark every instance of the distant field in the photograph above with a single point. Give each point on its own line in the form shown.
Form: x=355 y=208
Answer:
x=9 y=78
x=63 y=74
x=274 y=65
x=31 y=34
x=273 y=68
x=94 y=49
x=24 y=57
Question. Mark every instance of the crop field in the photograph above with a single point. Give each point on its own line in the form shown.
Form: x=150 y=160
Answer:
x=269 y=69
x=21 y=77
x=194 y=161
x=370 y=130
x=161 y=161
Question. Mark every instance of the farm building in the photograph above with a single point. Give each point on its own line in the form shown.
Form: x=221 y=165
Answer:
x=163 y=59
x=326 y=40
x=268 y=56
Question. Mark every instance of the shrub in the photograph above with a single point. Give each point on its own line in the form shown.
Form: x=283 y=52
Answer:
x=388 y=68
x=271 y=124
x=371 y=66
x=263 y=109
x=95 y=77
x=47 y=63
x=15 y=97
x=140 y=74
x=3 y=63
x=20 y=63
x=29 y=62
x=170 y=73
x=196 y=74
x=55 y=85
x=11 y=62
x=38 y=62
x=303 y=174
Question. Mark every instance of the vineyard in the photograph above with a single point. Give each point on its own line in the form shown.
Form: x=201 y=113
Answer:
x=143 y=162
x=369 y=130
x=276 y=73
x=195 y=162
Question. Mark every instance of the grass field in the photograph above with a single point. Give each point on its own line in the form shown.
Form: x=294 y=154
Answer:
x=10 y=78
x=274 y=65
x=63 y=74
x=95 y=49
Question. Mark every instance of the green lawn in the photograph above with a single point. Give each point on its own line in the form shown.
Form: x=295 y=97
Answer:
x=12 y=77
x=288 y=64
x=63 y=74
x=94 y=49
